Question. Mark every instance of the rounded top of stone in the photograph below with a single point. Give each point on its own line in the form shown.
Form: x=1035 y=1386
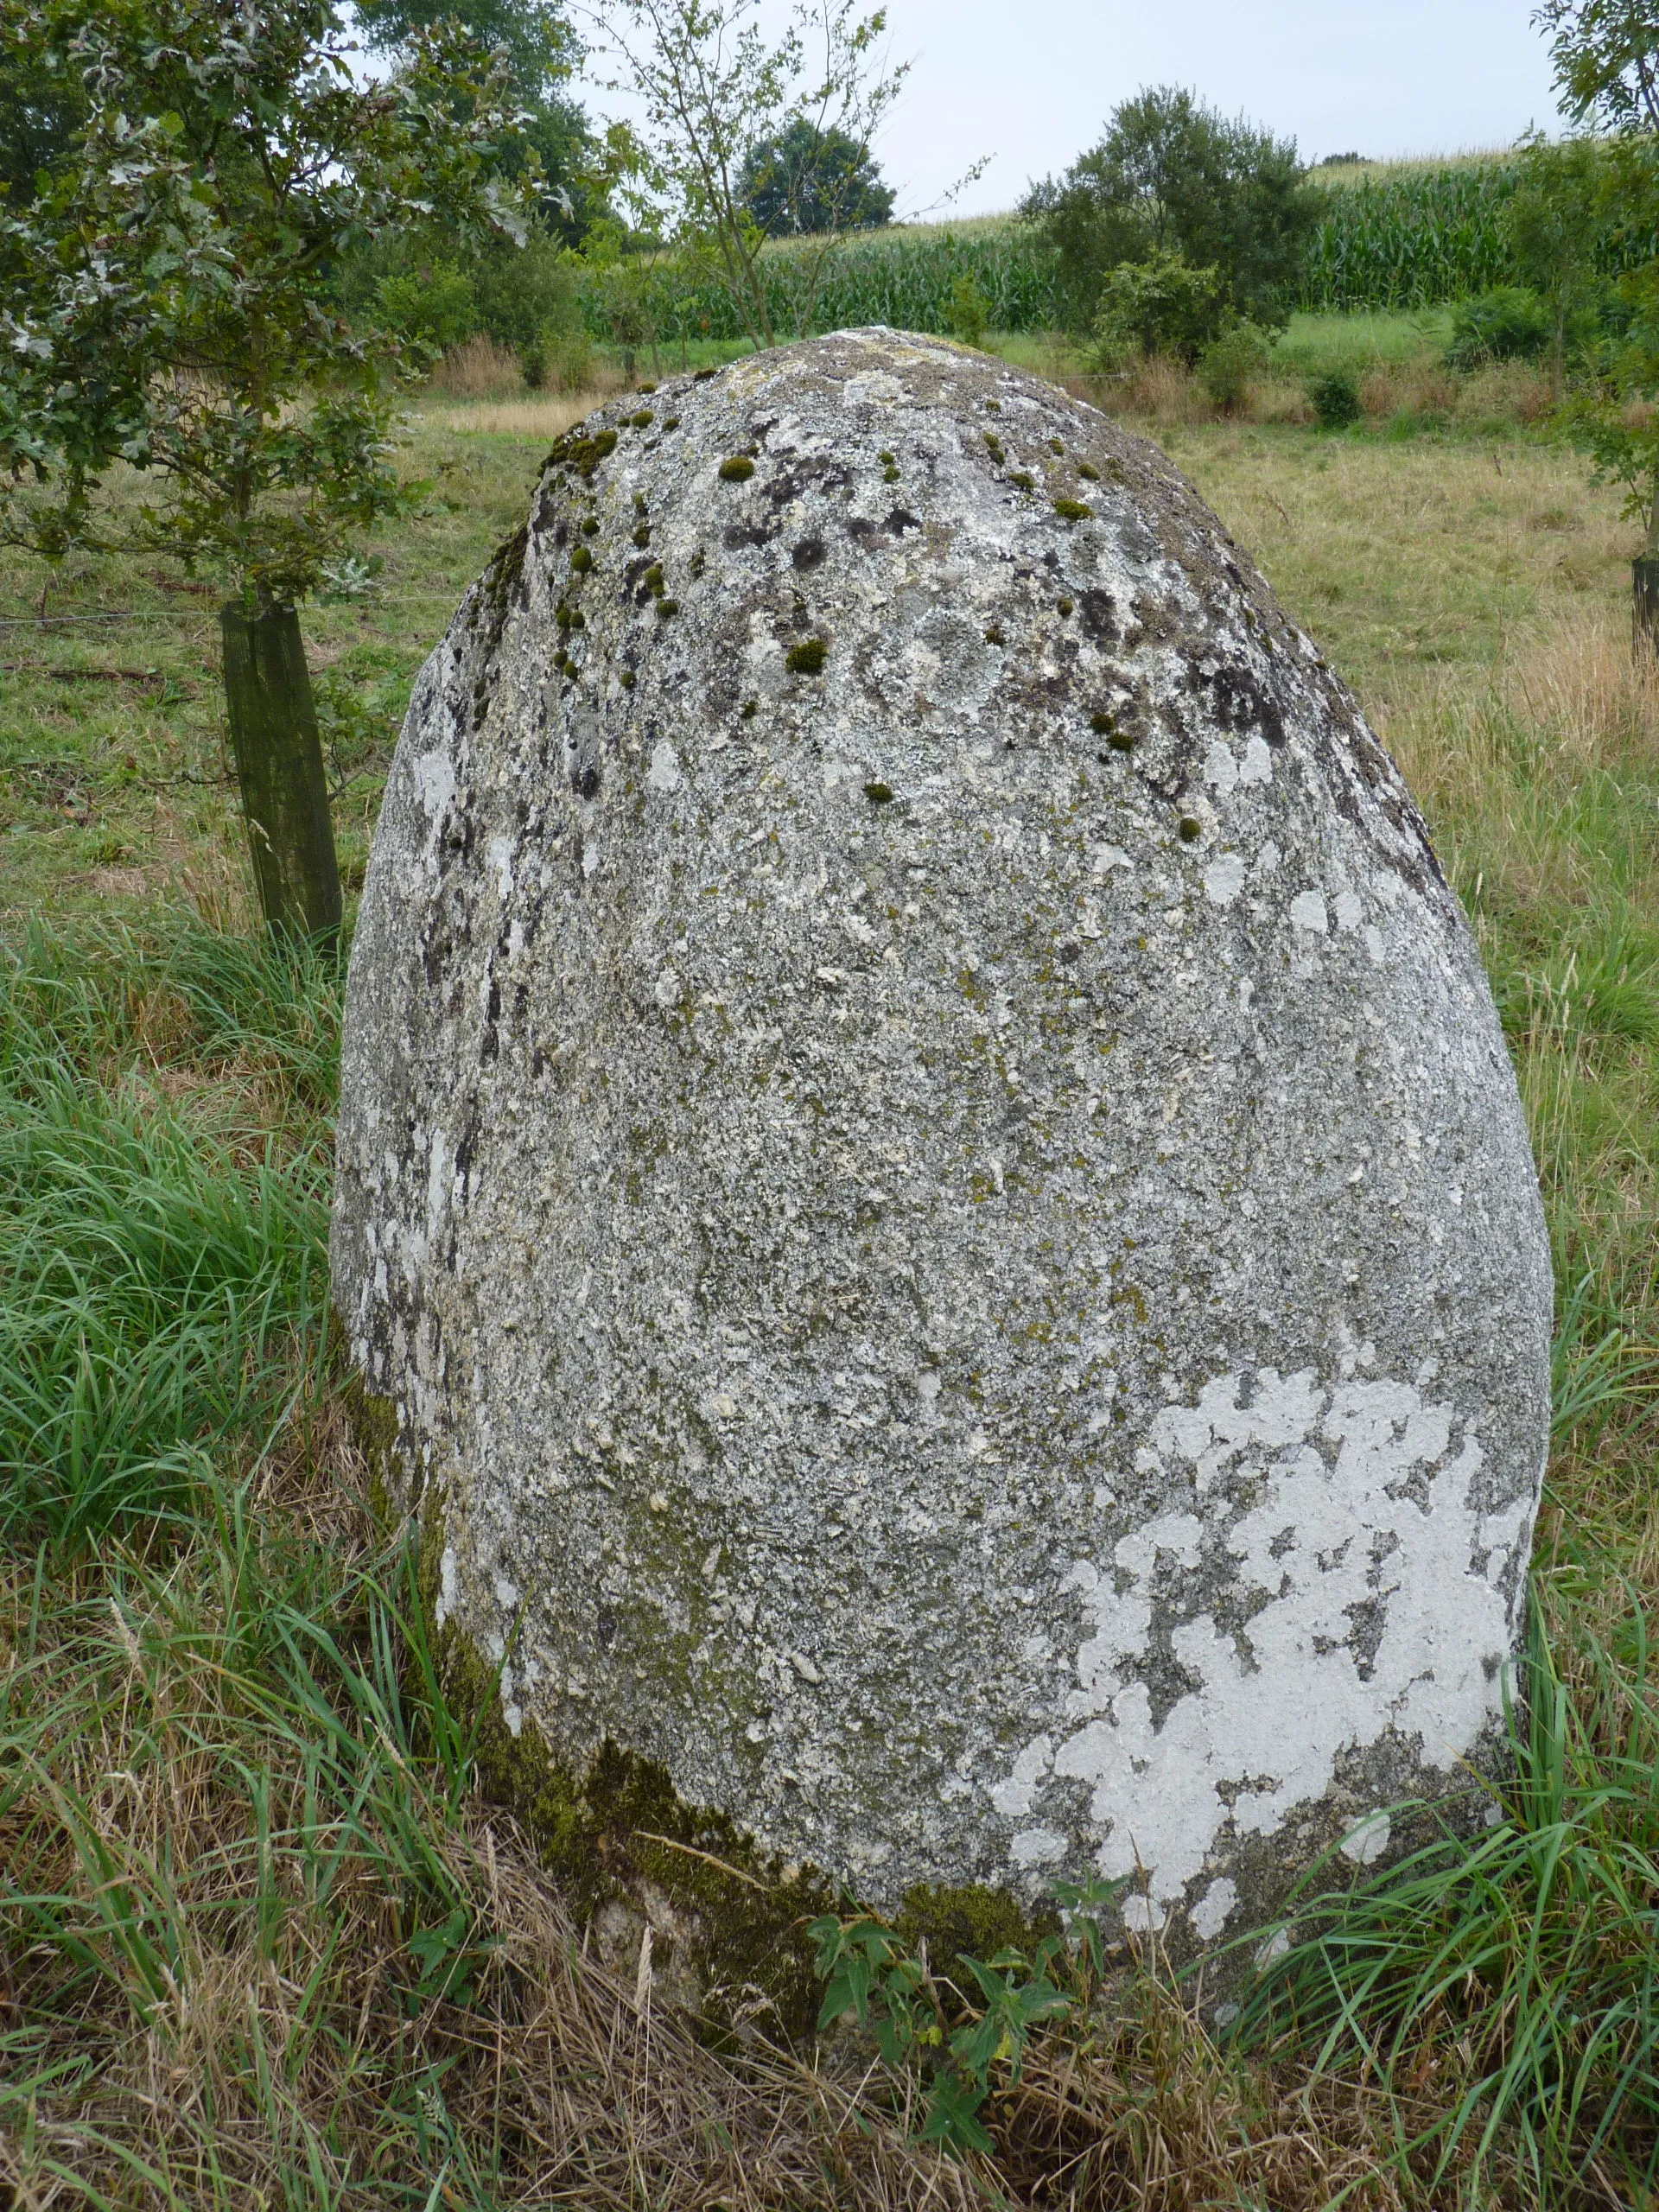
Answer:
x=873 y=532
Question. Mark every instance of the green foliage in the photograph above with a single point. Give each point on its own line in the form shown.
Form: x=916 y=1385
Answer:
x=902 y=277
x=969 y=312
x=1604 y=53
x=1173 y=177
x=1230 y=362
x=1160 y=304
x=963 y=2035
x=42 y=105
x=806 y=181
x=1508 y=323
x=1335 y=394
x=1518 y=1958
x=167 y=297
x=431 y=309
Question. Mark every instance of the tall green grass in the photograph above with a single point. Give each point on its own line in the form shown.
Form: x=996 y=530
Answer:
x=1503 y=1978
x=162 y=1271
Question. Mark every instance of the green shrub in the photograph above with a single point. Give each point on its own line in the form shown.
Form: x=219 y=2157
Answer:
x=968 y=311
x=1157 y=305
x=432 y=307
x=1228 y=362
x=525 y=294
x=1335 y=394
x=1506 y=323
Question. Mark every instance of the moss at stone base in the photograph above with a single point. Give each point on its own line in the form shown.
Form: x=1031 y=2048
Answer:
x=620 y=1830
x=969 y=1919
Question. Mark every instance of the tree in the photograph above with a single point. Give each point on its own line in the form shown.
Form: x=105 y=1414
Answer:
x=1606 y=58
x=807 y=182
x=712 y=88
x=1554 y=217
x=541 y=51
x=166 y=313
x=1171 y=175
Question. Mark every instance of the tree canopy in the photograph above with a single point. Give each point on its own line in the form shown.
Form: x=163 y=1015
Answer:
x=167 y=302
x=805 y=181
x=1174 y=176
x=1606 y=57
x=541 y=50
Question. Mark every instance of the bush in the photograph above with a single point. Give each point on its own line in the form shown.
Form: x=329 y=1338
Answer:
x=1507 y=323
x=430 y=307
x=1335 y=396
x=1171 y=174
x=969 y=312
x=1159 y=305
x=1227 y=364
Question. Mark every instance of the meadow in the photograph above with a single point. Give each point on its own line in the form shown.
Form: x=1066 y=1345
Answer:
x=261 y=1942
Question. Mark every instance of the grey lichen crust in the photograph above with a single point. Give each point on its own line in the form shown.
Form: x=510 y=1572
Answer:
x=926 y=1160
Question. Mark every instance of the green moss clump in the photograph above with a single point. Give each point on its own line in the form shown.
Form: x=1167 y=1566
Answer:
x=642 y=419
x=373 y=1422
x=994 y=636
x=736 y=470
x=1101 y=722
x=702 y=376
x=588 y=452
x=993 y=446
x=968 y=1919
x=1026 y=483
x=886 y=459
x=1192 y=829
x=642 y=535
x=652 y=580
x=1087 y=470
x=751 y=709
x=1064 y=605
x=698 y=562
x=1122 y=740
x=581 y=561
x=640 y=503
x=672 y=424
x=808 y=658
x=1054 y=446
x=590 y=528
x=994 y=406
x=878 y=794
x=627 y=679
x=1072 y=510
x=667 y=606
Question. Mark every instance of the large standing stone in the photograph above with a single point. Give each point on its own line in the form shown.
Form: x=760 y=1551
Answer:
x=926 y=1160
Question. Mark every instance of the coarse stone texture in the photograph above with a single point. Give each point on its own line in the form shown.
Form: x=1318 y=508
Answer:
x=926 y=1161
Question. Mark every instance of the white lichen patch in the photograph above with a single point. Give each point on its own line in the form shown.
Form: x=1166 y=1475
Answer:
x=1329 y=1579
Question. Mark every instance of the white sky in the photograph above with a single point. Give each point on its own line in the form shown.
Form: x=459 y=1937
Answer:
x=1033 y=81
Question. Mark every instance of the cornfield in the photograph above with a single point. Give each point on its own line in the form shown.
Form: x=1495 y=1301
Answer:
x=1413 y=239
x=901 y=277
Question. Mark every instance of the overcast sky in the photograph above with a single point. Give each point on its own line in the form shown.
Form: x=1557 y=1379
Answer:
x=1031 y=81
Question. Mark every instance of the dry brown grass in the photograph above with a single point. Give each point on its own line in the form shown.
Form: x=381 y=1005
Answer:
x=541 y=415
x=1165 y=394
x=479 y=371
